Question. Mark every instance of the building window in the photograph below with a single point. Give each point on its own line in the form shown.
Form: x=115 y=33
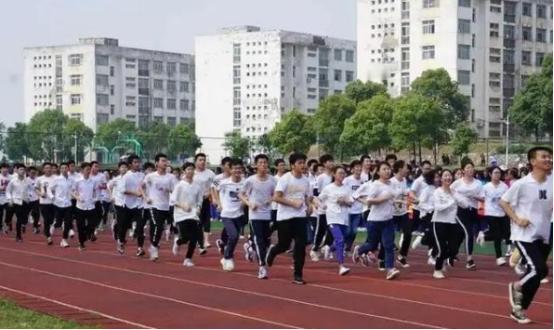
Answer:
x=158 y=66
x=428 y=27
x=171 y=104
x=171 y=68
x=430 y=3
x=405 y=33
x=349 y=76
x=183 y=104
x=541 y=11
x=527 y=9
x=158 y=103
x=102 y=118
x=143 y=68
x=526 y=58
x=428 y=52
x=102 y=99
x=338 y=75
x=464 y=26
x=464 y=3
x=158 y=84
x=539 y=57
x=102 y=80
x=171 y=86
x=112 y=71
x=172 y=121
x=102 y=60
x=464 y=52
x=75 y=80
x=236 y=96
x=541 y=35
x=236 y=53
x=75 y=59
x=184 y=68
x=509 y=32
x=112 y=89
x=236 y=74
x=130 y=101
x=494 y=28
x=130 y=82
x=349 y=56
x=184 y=86
x=75 y=99
x=527 y=33
x=338 y=54
x=509 y=57
x=236 y=117
x=405 y=82
x=463 y=77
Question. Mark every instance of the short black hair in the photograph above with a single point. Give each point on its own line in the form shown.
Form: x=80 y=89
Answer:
x=33 y=168
x=121 y=164
x=279 y=161
x=376 y=175
x=198 y=155
x=364 y=157
x=466 y=161
x=62 y=164
x=355 y=163
x=94 y=162
x=55 y=165
x=148 y=165
x=236 y=162
x=226 y=160
x=398 y=165
x=296 y=156
x=532 y=153
x=391 y=156
x=426 y=162
x=158 y=156
x=85 y=164
x=187 y=165
x=260 y=156
x=70 y=162
x=311 y=162
x=43 y=164
x=4 y=165
x=325 y=158
x=492 y=168
x=131 y=158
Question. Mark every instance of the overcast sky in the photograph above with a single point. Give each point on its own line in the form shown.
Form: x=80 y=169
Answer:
x=168 y=25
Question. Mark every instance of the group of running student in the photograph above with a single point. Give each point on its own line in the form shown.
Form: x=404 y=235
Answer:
x=316 y=202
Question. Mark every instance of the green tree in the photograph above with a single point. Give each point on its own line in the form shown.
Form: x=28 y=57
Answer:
x=462 y=139
x=107 y=134
x=154 y=139
x=532 y=107
x=183 y=142
x=358 y=91
x=438 y=85
x=2 y=138
x=328 y=121
x=76 y=133
x=16 y=142
x=45 y=134
x=237 y=145
x=263 y=144
x=368 y=128
x=294 y=133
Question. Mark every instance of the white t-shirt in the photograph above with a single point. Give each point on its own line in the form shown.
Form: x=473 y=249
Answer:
x=42 y=185
x=322 y=181
x=86 y=190
x=118 y=190
x=4 y=181
x=204 y=179
x=401 y=190
x=533 y=201
x=467 y=192
x=329 y=196
x=189 y=194
x=445 y=206
x=231 y=205
x=426 y=204
x=417 y=187
x=33 y=196
x=293 y=188
x=17 y=191
x=492 y=197
x=132 y=181
x=102 y=193
x=159 y=188
x=383 y=211
x=60 y=191
x=353 y=183
x=274 y=205
x=260 y=193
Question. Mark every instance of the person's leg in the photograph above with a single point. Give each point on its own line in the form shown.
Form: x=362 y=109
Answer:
x=373 y=237
x=354 y=223
x=259 y=230
x=159 y=218
x=140 y=217
x=536 y=270
x=204 y=221
x=47 y=217
x=67 y=219
x=35 y=214
x=338 y=232
x=440 y=235
x=284 y=239
x=320 y=230
x=387 y=243
x=232 y=228
x=20 y=219
x=9 y=217
x=191 y=230
x=2 y=211
x=407 y=228
x=299 y=252
x=81 y=227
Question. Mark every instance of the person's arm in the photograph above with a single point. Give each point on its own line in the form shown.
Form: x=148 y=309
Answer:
x=9 y=195
x=510 y=198
x=441 y=201
x=279 y=197
x=51 y=190
x=179 y=203
x=243 y=196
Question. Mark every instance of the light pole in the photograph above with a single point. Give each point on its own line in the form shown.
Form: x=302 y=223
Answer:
x=507 y=138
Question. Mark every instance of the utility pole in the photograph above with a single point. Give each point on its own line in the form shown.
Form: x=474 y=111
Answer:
x=507 y=138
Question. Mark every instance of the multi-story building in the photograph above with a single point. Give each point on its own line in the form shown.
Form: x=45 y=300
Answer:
x=247 y=78
x=489 y=47
x=97 y=81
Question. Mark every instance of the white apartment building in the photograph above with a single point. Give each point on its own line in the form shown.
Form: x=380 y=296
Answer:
x=247 y=78
x=97 y=81
x=489 y=46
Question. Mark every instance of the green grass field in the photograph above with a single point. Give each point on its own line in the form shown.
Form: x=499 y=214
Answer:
x=15 y=317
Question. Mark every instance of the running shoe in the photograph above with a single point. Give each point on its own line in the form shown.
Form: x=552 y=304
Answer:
x=64 y=243
x=403 y=262
x=438 y=274
x=262 y=273
x=392 y=274
x=140 y=252
x=188 y=263
x=343 y=270
x=501 y=261
x=520 y=316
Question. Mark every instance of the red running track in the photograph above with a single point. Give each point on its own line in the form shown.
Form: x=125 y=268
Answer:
x=100 y=287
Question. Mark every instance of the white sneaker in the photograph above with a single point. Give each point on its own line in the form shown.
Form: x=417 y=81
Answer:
x=501 y=261
x=438 y=274
x=326 y=250
x=544 y=280
x=64 y=243
x=52 y=230
x=262 y=273
x=153 y=251
x=223 y=263
x=480 y=238
x=314 y=255
x=431 y=261
x=392 y=273
x=417 y=242
x=175 y=249
x=230 y=265
x=71 y=233
x=120 y=248
x=356 y=254
x=49 y=240
x=343 y=270
x=188 y=263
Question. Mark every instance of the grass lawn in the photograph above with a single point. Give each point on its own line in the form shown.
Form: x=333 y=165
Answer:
x=15 y=317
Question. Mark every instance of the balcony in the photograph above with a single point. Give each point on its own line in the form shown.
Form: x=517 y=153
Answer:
x=508 y=92
x=144 y=73
x=509 y=43
x=323 y=83
x=144 y=91
x=509 y=18
x=509 y=67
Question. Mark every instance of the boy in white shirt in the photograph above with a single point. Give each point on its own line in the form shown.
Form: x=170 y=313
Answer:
x=4 y=180
x=18 y=197
x=47 y=208
x=132 y=187
x=323 y=238
x=204 y=177
x=187 y=198
x=84 y=192
x=528 y=203
x=60 y=192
